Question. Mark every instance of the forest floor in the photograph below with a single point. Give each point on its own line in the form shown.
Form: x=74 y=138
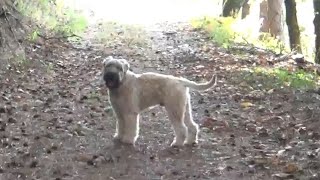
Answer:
x=56 y=122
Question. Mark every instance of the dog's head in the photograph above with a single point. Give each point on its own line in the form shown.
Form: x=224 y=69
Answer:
x=114 y=71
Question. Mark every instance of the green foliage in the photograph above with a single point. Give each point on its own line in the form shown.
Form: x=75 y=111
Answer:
x=20 y=60
x=53 y=16
x=226 y=31
x=219 y=28
x=73 y=24
x=33 y=35
x=268 y=78
x=268 y=42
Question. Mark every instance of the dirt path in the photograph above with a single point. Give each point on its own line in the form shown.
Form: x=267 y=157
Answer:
x=56 y=123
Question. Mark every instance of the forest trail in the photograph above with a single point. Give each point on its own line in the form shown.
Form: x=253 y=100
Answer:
x=56 y=122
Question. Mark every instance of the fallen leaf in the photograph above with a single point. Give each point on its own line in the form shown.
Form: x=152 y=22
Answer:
x=281 y=152
x=270 y=91
x=290 y=168
x=246 y=105
x=282 y=175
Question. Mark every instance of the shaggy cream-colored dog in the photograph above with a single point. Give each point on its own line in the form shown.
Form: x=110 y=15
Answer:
x=131 y=93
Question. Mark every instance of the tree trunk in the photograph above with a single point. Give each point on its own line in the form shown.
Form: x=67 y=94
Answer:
x=316 y=22
x=231 y=7
x=245 y=9
x=264 y=16
x=293 y=27
x=275 y=18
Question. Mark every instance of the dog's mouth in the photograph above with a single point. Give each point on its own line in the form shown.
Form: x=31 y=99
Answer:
x=111 y=84
x=112 y=81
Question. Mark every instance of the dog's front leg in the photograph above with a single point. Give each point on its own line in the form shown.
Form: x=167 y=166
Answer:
x=119 y=130
x=131 y=128
x=119 y=125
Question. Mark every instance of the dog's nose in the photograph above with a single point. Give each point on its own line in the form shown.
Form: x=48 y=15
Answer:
x=109 y=76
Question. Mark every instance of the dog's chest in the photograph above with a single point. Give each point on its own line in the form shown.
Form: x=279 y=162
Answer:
x=120 y=96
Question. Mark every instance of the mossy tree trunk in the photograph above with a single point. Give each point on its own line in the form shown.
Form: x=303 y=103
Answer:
x=316 y=22
x=293 y=27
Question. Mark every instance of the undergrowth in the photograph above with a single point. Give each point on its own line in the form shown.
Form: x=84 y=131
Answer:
x=53 y=16
x=219 y=29
x=226 y=31
x=278 y=78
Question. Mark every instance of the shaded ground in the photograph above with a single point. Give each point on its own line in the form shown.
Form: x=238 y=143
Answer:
x=56 y=123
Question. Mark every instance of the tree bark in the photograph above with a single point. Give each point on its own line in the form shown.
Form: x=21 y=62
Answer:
x=245 y=9
x=316 y=22
x=293 y=27
x=264 y=16
x=231 y=7
x=275 y=18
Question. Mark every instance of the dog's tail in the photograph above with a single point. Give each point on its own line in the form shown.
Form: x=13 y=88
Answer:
x=199 y=86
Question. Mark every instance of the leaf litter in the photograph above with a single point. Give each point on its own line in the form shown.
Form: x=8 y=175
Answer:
x=56 y=122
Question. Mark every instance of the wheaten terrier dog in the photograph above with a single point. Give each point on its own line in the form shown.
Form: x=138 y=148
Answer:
x=131 y=93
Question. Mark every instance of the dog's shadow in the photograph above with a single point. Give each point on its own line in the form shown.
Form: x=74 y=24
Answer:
x=178 y=152
x=125 y=152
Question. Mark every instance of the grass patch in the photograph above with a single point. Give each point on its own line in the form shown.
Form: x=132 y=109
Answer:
x=278 y=78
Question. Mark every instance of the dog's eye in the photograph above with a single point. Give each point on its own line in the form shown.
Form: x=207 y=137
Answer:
x=119 y=68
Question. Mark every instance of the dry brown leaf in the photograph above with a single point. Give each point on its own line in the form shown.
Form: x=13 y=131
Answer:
x=290 y=168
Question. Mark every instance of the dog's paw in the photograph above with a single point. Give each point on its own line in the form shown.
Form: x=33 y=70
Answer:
x=191 y=144
x=176 y=144
x=191 y=141
x=127 y=140
x=116 y=137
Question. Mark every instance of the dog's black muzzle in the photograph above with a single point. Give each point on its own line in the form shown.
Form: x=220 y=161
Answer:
x=112 y=80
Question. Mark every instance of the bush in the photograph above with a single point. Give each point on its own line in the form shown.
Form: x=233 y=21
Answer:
x=53 y=16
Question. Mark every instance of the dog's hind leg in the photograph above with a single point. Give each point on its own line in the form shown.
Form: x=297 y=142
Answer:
x=193 y=128
x=176 y=111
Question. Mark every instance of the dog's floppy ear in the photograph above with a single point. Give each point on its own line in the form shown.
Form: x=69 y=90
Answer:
x=106 y=60
x=126 y=65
